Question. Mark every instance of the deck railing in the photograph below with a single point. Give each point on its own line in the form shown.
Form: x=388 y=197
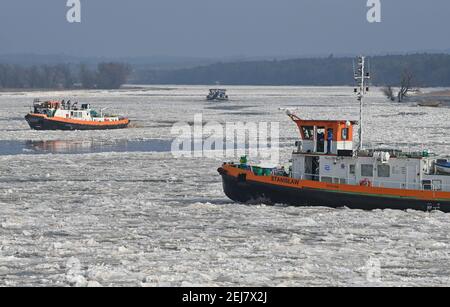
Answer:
x=373 y=182
x=379 y=183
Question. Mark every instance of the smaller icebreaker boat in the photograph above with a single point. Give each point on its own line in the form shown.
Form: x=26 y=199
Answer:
x=61 y=115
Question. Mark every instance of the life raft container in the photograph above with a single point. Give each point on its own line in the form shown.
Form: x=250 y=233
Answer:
x=365 y=183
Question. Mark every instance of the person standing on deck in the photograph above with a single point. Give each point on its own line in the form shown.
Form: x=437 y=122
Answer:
x=329 y=140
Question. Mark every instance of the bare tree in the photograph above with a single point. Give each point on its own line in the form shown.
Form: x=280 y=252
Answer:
x=405 y=85
x=388 y=91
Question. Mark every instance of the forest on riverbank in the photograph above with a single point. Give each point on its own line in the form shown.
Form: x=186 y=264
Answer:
x=428 y=70
x=63 y=76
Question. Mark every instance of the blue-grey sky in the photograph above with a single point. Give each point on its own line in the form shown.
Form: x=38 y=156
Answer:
x=217 y=28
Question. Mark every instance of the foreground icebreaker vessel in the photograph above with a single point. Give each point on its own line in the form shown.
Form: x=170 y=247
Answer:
x=328 y=171
x=55 y=115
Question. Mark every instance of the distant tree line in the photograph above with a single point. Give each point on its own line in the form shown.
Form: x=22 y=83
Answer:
x=428 y=70
x=63 y=76
x=107 y=76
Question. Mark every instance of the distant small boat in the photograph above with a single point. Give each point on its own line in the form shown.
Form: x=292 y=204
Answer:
x=217 y=94
x=443 y=166
x=433 y=104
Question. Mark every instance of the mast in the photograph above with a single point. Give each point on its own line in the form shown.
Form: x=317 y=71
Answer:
x=361 y=76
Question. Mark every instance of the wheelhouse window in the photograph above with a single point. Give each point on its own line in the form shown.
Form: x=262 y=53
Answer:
x=366 y=170
x=308 y=132
x=384 y=171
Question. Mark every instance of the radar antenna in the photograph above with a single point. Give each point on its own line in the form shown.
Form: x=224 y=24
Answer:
x=361 y=75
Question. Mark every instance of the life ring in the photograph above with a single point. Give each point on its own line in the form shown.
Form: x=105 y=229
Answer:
x=365 y=183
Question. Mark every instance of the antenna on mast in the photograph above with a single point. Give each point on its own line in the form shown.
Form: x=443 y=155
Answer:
x=361 y=75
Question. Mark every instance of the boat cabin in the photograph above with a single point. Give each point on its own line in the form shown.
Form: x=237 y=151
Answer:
x=327 y=137
x=325 y=153
x=68 y=110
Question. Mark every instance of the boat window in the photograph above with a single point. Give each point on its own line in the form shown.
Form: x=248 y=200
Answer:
x=345 y=134
x=352 y=169
x=384 y=171
x=437 y=185
x=308 y=132
x=366 y=170
x=427 y=185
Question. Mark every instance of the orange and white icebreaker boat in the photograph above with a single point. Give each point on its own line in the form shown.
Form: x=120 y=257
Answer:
x=326 y=170
x=56 y=115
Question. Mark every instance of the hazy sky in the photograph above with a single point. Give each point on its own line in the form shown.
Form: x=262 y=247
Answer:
x=216 y=28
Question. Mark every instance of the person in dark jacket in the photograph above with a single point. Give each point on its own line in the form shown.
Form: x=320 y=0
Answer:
x=329 y=140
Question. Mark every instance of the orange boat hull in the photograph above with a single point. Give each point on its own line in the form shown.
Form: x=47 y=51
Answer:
x=43 y=122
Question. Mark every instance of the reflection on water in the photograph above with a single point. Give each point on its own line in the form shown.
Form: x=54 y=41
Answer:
x=95 y=146
x=82 y=146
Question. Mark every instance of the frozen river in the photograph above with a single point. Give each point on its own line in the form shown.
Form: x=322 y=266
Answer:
x=91 y=208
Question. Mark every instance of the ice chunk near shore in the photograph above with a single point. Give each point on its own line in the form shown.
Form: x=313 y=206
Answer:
x=74 y=274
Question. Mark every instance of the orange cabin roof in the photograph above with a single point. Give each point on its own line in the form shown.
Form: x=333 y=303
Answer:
x=337 y=126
